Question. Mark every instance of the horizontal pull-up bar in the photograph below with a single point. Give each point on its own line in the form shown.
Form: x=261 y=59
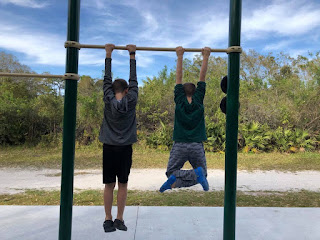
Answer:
x=69 y=76
x=79 y=46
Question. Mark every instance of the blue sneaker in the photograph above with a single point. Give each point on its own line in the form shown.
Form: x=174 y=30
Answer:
x=201 y=178
x=168 y=183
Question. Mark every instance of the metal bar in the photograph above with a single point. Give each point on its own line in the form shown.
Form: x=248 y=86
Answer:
x=153 y=48
x=30 y=75
x=69 y=124
x=229 y=224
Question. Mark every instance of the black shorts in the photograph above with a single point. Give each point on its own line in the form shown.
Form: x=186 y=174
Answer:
x=117 y=161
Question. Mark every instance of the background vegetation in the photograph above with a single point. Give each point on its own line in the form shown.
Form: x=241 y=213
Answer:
x=279 y=97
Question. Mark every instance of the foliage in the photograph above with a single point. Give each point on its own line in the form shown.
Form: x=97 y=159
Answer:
x=259 y=138
x=29 y=108
x=89 y=110
x=256 y=137
x=216 y=135
x=279 y=98
x=161 y=138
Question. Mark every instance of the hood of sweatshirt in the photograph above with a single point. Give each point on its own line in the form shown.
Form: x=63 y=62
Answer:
x=119 y=106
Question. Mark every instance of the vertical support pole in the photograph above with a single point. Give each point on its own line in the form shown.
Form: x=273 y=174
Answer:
x=69 y=124
x=232 y=123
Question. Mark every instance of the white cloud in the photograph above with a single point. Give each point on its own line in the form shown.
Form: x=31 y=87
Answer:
x=150 y=21
x=39 y=48
x=155 y=26
x=212 y=32
x=26 y=3
x=100 y=4
x=285 y=18
x=162 y=27
x=42 y=48
x=277 y=45
x=143 y=60
x=296 y=52
x=48 y=49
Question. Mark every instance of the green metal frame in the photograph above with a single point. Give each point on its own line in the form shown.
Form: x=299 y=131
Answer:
x=229 y=222
x=69 y=123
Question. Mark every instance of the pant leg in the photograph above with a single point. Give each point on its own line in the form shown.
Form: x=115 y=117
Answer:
x=178 y=157
x=197 y=157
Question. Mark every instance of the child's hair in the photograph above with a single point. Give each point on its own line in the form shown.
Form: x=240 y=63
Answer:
x=189 y=89
x=119 y=85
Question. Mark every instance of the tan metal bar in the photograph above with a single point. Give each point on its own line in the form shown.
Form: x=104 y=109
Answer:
x=79 y=46
x=153 y=48
x=30 y=75
x=66 y=76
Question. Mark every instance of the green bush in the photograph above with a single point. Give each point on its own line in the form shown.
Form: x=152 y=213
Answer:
x=161 y=138
x=215 y=134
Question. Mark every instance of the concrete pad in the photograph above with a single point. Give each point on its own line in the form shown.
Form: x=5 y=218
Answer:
x=87 y=223
x=278 y=223
x=162 y=223
x=42 y=222
x=185 y=223
x=24 y=222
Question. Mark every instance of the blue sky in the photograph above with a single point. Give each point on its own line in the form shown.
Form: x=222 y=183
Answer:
x=35 y=30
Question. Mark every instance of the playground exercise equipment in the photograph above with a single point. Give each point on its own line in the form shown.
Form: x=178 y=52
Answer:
x=78 y=45
x=70 y=102
x=224 y=88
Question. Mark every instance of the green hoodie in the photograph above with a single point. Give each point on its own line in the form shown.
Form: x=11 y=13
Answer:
x=189 y=123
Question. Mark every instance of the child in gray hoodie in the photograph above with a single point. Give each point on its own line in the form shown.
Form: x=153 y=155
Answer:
x=118 y=132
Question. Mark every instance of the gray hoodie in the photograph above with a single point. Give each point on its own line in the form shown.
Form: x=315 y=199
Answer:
x=119 y=122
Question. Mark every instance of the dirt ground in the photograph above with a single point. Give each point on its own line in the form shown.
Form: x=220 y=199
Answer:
x=14 y=180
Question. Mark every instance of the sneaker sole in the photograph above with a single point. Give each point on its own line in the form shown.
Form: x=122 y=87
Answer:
x=122 y=229
x=205 y=183
x=110 y=230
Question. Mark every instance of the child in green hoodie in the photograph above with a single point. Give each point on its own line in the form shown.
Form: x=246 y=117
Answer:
x=189 y=130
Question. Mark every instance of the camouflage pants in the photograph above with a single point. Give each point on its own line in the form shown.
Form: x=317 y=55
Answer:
x=180 y=153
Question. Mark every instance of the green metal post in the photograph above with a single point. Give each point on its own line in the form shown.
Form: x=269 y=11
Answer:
x=69 y=124
x=229 y=223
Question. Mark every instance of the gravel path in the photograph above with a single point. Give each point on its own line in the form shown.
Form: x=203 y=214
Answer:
x=17 y=180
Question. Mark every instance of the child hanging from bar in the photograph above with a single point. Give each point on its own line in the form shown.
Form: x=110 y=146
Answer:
x=118 y=132
x=189 y=130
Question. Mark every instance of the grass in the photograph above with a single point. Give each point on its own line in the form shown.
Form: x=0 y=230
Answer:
x=174 y=198
x=91 y=157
